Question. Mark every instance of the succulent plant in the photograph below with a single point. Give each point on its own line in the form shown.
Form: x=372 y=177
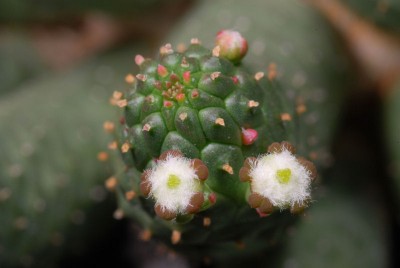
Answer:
x=200 y=136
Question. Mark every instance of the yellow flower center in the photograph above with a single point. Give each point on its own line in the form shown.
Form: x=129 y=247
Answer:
x=284 y=175
x=173 y=181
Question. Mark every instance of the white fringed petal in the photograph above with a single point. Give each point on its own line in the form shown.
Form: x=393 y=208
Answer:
x=175 y=198
x=266 y=182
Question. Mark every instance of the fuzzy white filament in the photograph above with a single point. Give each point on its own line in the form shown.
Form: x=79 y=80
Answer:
x=173 y=182
x=281 y=178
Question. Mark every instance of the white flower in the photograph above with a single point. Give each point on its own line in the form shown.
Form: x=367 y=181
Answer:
x=281 y=178
x=173 y=182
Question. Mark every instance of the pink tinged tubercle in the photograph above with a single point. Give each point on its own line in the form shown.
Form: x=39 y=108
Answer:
x=168 y=104
x=235 y=79
x=162 y=71
x=186 y=77
x=249 y=136
x=180 y=97
x=212 y=198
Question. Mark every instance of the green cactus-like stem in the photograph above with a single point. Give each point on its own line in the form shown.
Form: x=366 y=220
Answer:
x=204 y=117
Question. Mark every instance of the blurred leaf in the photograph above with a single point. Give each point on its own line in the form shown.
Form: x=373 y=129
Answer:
x=45 y=10
x=384 y=13
x=19 y=61
x=50 y=178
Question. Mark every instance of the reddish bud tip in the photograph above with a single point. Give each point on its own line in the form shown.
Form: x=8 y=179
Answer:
x=168 y=104
x=261 y=214
x=212 y=198
x=162 y=71
x=249 y=136
x=232 y=45
x=235 y=79
x=186 y=77
x=195 y=93
x=174 y=78
x=180 y=97
x=139 y=59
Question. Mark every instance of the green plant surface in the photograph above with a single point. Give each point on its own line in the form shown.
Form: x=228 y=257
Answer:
x=52 y=196
x=309 y=66
x=310 y=80
x=19 y=61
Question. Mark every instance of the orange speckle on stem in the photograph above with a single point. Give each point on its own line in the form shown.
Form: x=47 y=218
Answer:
x=122 y=103
x=125 y=147
x=117 y=95
x=145 y=235
x=220 y=121
x=286 y=117
x=175 y=237
x=215 y=75
x=183 y=116
x=111 y=183
x=129 y=78
x=258 y=75
x=228 y=168
x=108 y=126
x=206 y=221
x=130 y=195
x=272 y=73
x=146 y=127
x=113 y=145
x=102 y=156
x=252 y=104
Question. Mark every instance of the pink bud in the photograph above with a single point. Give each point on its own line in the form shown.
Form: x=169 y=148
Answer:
x=180 y=97
x=162 y=71
x=249 y=136
x=213 y=198
x=139 y=59
x=235 y=79
x=186 y=77
x=232 y=45
x=168 y=104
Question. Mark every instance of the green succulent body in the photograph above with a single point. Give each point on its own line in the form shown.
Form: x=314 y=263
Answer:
x=291 y=101
x=201 y=105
